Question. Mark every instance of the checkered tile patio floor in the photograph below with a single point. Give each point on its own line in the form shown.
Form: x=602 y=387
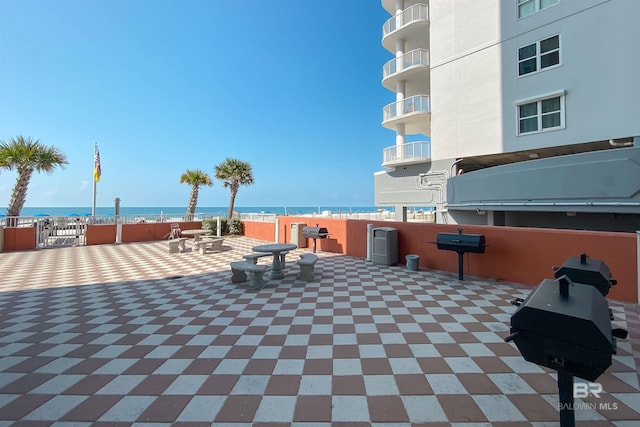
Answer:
x=133 y=335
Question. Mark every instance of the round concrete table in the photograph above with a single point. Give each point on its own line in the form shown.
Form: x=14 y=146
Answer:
x=196 y=233
x=276 y=249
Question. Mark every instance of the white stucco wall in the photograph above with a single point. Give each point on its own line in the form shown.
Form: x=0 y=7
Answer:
x=465 y=78
x=475 y=86
x=599 y=62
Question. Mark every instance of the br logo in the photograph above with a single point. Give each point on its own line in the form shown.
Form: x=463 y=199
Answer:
x=584 y=389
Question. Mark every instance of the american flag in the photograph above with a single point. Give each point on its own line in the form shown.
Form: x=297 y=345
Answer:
x=97 y=171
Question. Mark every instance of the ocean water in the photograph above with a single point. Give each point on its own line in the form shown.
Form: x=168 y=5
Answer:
x=179 y=211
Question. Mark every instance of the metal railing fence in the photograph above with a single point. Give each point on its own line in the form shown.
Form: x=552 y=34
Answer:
x=408 y=60
x=413 y=104
x=406 y=152
x=411 y=14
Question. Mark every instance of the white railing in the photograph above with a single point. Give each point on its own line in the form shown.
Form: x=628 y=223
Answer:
x=417 y=12
x=413 y=104
x=256 y=217
x=407 y=152
x=417 y=57
x=28 y=221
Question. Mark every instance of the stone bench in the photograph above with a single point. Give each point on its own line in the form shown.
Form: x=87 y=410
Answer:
x=213 y=243
x=239 y=270
x=253 y=258
x=307 y=263
x=177 y=245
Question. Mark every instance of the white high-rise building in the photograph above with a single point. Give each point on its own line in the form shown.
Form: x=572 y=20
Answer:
x=513 y=112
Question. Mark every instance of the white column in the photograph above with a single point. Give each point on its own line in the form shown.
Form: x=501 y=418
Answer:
x=399 y=55
x=398 y=15
x=400 y=141
x=400 y=128
x=400 y=134
x=400 y=97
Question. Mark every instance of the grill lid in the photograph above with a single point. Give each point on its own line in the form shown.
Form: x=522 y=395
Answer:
x=567 y=329
x=589 y=271
x=316 y=232
x=474 y=243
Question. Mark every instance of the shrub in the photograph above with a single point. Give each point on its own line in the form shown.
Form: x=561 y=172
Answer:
x=212 y=224
x=235 y=226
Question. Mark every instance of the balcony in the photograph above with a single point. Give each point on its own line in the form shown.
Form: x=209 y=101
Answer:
x=412 y=67
x=412 y=25
x=414 y=112
x=407 y=154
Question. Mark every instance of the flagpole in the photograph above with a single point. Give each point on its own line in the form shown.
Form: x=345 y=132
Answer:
x=93 y=206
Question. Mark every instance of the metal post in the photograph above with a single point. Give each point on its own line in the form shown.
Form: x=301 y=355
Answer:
x=565 y=389
x=460 y=266
x=369 y=242
x=638 y=262
x=277 y=230
x=218 y=226
x=93 y=203
x=118 y=223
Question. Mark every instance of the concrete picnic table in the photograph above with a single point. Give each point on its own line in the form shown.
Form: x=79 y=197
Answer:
x=196 y=233
x=275 y=249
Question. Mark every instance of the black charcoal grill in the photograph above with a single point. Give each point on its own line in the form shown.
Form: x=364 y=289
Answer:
x=565 y=326
x=589 y=271
x=461 y=243
x=314 y=233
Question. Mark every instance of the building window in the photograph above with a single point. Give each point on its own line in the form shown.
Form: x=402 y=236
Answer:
x=540 y=115
x=539 y=55
x=529 y=7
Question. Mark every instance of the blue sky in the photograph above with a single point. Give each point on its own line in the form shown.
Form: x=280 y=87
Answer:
x=163 y=86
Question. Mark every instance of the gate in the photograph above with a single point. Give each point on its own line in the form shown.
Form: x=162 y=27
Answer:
x=55 y=232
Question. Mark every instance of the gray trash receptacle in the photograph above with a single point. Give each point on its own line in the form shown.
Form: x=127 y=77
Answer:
x=412 y=262
x=385 y=246
x=296 y=234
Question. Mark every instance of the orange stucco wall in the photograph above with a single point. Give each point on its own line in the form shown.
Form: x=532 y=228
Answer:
x=100 y=234
x=144 y=232
x=19 y=239
x=259 y=230
x=522 y=255
x=337 y=229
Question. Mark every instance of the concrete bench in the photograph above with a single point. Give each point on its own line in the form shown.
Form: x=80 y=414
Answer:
x=307 y=263
x=215 y=244
x=177 y=245
x=253 y=258
x=239 y=270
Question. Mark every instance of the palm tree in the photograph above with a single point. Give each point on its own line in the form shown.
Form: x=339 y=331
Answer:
x=195 y=178
x=26 y=156
x=233 y=173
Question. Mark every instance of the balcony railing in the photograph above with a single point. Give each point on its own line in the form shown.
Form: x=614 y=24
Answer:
x=413 y=104
x=417 y=12
x=410 y=59
x=407 y=153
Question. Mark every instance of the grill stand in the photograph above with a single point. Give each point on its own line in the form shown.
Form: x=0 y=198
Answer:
x=565 y=390
x=460 y=265
x=314 y=246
